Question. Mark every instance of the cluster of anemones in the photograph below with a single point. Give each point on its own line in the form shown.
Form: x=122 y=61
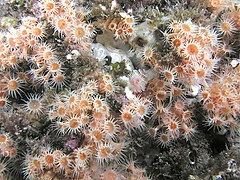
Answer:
x=196 y=45
x=134 y=113
x=86 y=112
x=221 y=100
x=7 y=146
x=171 y=115
x=11 y=85
x=200 y=52
x=169 y=89
x=51 y=163
x=55 y=162
x=106 y=84
x=24 y=44
x=229 y=7
x=122 y=28
x=68 y=21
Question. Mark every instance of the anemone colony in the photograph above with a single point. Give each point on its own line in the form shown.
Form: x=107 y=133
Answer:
x=79 y=86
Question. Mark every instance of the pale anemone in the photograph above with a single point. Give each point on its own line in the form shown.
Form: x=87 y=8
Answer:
x=34 y=104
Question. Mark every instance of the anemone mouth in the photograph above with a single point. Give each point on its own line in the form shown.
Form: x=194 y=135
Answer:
x=37 y=31
x=169 y=75
x=79 y=32
x=82 y=156
x=186 y=27
x=3 y=103
x=49 y=159
x=148 y=53
x=104 y=152
x=64 y=162
x=127 y=116
x=177 y=42
x=193 y=49
x=164 y=138
x=34 y=104
x=13 y=85
x=3 y=138
x=62 y=24
x=73 y=123
x=225 y=26
x=49 y=6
